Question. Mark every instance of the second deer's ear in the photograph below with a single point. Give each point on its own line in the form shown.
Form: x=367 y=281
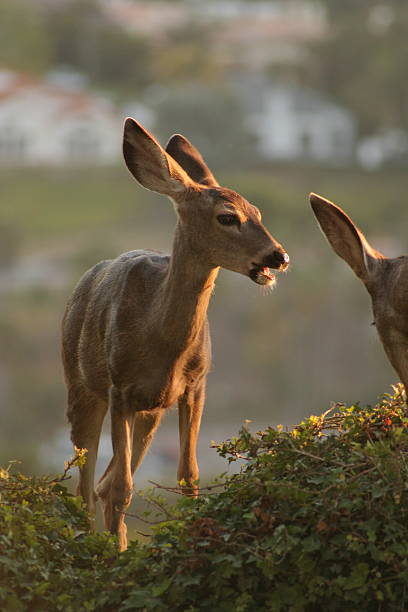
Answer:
x=345 y=238
x=151 y=166
x=190 y=160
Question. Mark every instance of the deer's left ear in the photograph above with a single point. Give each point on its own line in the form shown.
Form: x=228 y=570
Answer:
x=191 y=160
x=345 y=238
x=151 y=166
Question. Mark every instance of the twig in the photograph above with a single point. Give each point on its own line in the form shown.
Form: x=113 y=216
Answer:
x=300 y=452
x=145 y=535
x=160 y=506
x=140 y=518
x=67 y=466
x=361 y=473
x=180 y=491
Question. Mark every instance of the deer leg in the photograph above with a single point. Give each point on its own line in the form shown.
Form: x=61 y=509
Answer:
x=86 y=413
x=145 y=425
x=119 y=496
x=104 y=483
x=190 y=410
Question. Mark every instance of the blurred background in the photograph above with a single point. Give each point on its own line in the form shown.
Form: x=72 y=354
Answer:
x=282 y=98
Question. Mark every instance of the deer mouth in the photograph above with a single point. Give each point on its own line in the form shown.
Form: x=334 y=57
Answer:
x=262 y=275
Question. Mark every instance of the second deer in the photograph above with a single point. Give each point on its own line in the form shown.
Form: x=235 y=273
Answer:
x=386 y=279
x=135 y=331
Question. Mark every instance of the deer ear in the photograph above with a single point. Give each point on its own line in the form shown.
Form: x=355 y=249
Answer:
x=150 y=164
x=191 y=160
x=345 y=238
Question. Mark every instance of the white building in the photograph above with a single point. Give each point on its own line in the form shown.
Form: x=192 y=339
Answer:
x=55 y=122
x=386 y=147
x=293 y=123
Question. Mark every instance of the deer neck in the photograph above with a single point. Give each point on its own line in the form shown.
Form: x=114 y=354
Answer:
x=186 y=292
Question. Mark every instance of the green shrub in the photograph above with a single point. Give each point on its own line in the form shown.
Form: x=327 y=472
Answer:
x=48 y=558
x=316 y=519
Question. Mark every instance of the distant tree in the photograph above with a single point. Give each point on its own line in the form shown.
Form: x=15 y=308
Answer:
x=83 y=37
x=9 y=244
x=362 y=61
x=210 y=117
x=24 y=43
x=186 y=54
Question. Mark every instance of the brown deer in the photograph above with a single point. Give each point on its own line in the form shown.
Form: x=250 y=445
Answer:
x=135 y=330
x=386 y=279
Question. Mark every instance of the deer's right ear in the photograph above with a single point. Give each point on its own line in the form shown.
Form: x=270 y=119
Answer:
x=151 y=166
x=191 y=160
x=345 y=238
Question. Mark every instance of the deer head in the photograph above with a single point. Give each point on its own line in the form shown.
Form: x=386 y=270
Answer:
x=386 y=279
x=221 y=227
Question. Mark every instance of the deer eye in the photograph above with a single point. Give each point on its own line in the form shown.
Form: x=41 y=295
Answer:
x=229 y=219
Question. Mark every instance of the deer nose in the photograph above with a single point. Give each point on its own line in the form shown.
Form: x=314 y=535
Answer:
x=277 y=259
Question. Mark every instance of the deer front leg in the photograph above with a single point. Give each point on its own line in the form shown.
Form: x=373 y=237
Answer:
x=119 y=496
x=145 y=426
x=190 y=410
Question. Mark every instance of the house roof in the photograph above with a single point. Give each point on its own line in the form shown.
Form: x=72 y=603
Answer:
x=69 y=100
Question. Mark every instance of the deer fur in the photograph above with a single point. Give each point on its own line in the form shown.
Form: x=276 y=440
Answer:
x=135 y=330
x=386 y=279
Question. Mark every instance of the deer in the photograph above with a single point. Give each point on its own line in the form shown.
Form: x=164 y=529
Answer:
x=135 y=334
x=386 y=279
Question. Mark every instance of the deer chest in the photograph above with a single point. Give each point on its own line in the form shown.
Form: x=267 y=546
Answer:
x=158 y=383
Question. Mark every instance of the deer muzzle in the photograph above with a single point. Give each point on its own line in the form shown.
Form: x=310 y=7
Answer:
x=262 y=273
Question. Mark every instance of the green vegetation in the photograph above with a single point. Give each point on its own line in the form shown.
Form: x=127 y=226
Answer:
x=48 y=558
x=317 y=518
x=79 y=34
x=361 y=60
x=25 y=43
x=76 y=33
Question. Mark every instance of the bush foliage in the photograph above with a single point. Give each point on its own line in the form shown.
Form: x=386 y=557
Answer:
x=315 y=519
x=48 y=558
